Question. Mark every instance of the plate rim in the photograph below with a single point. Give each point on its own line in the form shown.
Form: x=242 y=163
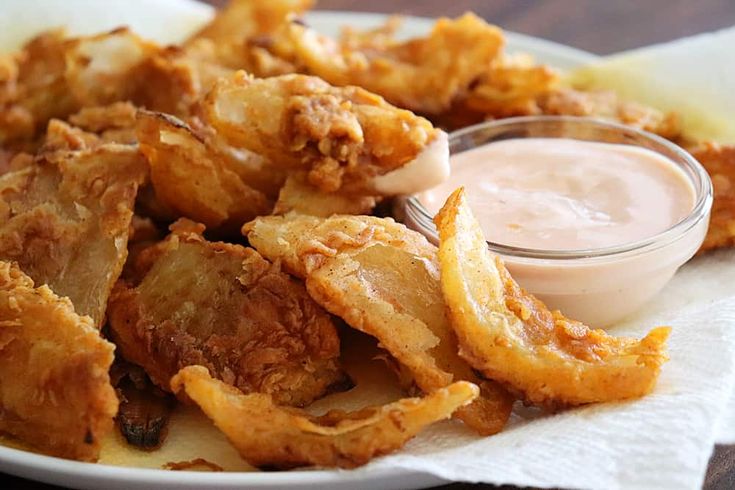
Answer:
x=59 y=471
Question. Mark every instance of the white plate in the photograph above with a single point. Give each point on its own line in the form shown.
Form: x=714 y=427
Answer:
x=94 y=476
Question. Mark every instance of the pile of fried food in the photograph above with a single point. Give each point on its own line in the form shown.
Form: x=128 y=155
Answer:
x=202 y=223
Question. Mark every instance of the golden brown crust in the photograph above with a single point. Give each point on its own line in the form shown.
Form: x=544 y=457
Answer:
x=298 y=196
x=268 y=435
x=719 y=161
x=510 y=336
x=224 y=307
x=56 y=76
x=607 y=105
x=65 y=220
x=424 y=74
x=243 y=19
x=343 y=137
x=192 y=179
x=55 y=392
x=382 y=279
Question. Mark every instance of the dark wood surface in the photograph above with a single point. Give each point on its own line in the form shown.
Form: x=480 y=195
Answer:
x=599 y=26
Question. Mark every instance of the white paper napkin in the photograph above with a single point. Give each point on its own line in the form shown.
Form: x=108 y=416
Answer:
x=661 y=441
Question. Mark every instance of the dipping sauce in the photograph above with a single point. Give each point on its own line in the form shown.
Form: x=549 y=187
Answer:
x=567 y=194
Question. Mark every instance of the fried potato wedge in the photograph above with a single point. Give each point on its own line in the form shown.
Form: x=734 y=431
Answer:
x=66 y=218
x=382 y=279
x=227 y=308
x=55 y=392
x=424 y=74
x=191 y=178
x=268 y=435
x=719 y=161
x=512 y=337
x=299 y=196
x=343 y=137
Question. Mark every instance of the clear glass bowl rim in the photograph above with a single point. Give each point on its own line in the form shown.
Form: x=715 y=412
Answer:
x=700 y=211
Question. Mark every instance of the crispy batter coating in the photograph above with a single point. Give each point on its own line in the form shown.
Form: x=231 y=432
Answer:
x=191 y=178
x=382 y=279
x=424 y=74
x=607 y=105
x=99 y=119
x=176 y=77
x=225 y=307
x=55 y=392
x=57 y=76
x=61 y=136
x=65 y=220
x=719 y=160
x=243 y=19
x=511 y=87
x=92 y=127
x=510 y=336
x=299 y=196
x=268 y=435
x=343 y=137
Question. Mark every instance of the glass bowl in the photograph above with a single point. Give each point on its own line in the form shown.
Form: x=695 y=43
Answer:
x=597 y=286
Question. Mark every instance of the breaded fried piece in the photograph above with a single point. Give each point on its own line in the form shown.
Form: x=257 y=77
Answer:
x=176 y=77
x=268 y=435
x=92 y=127
x=62 y=136
x=424 y=75
x=55 y=392
x=512 y=337
x=719 y=161
x=343 y=137
x=227 y=308
x=511 y=87
x=382 y=279
x=607 y=105
x=298 y=196
x=56 y=76
x=192 y=178
x=243 y=19
x=65 y=220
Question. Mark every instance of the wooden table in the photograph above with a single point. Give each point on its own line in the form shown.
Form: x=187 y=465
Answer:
x=598 y=26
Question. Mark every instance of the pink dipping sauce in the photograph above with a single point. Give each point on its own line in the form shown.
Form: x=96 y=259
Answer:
x=567 y=194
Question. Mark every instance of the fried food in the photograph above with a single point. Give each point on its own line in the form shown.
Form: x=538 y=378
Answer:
x=298 y=196
x=92 y=127
x=424 y=75
x=225 y=307
x=382 y=279
x=57 y=76
x=511 y=87
x=719 y=161
x=55 y=392
x=192 y=179
x=65 y=220
x=343 y=137
x=607 y=105
x=510 y=336
x=268 y=435
x=177 y=77
x=243 y=19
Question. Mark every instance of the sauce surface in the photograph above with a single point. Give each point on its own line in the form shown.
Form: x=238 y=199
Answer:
x=566 y=194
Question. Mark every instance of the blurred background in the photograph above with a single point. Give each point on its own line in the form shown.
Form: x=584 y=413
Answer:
x=599 y=26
